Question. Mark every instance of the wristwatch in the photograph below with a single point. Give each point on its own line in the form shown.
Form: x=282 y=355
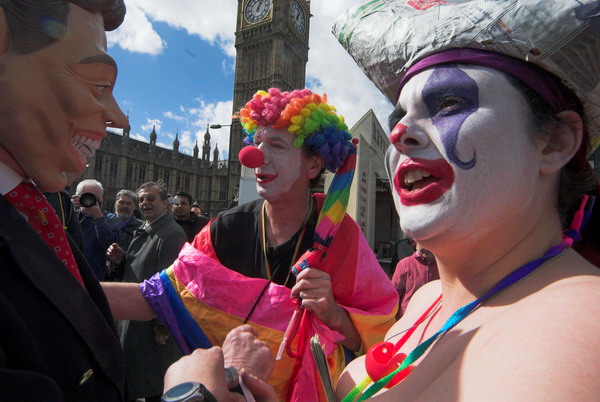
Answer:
x=187 y=392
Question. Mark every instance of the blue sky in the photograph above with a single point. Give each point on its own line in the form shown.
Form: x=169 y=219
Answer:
x=176 y=68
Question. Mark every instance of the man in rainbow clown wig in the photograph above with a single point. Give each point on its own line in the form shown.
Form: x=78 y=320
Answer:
x=239 y=267
x=497 y=106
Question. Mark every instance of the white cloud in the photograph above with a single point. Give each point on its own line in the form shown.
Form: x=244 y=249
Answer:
x=332 y=71
x=151 y=123
x=212 y=20
x=186 y=142
x=137 y=33
x=213 y=113
x=173 y=116
x=138 y=137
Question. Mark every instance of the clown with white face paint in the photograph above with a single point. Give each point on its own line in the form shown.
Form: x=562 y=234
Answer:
x=242 y=267
x=488 y=168
x=455 y=146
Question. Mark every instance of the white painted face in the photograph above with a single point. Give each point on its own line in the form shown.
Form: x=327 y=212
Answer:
x=286 y=170
x=461 y=157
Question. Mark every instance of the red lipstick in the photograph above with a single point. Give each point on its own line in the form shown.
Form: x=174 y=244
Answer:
x=264 y=178
x=442 y=178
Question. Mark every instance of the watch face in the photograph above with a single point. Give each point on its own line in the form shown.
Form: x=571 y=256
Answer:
x=297 y=17
x=257 y=10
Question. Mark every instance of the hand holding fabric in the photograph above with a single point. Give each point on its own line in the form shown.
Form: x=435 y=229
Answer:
x=243 y=350
x=313 y=286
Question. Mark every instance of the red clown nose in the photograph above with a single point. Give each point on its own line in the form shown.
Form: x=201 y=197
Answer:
x=251 y=157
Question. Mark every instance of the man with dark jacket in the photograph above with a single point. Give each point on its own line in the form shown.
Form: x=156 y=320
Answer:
x=191 y=223
x=148 y=349
x=127 y=224
x=97 y=229
x=57 y=334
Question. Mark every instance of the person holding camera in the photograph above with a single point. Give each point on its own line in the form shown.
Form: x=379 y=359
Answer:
x=97 y=231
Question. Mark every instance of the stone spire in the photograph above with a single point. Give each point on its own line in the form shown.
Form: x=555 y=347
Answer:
x=176 y=145
x=127 y=130
x=196 y=150
x=153 y=136
x=206 y=146
x=216 y=154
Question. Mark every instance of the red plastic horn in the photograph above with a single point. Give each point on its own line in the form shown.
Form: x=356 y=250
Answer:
x=251 y=157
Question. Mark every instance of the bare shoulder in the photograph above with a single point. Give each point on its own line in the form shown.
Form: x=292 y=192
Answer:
x=421 y=300
x=546 y=346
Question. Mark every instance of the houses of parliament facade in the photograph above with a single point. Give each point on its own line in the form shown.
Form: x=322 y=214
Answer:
x=124 y=162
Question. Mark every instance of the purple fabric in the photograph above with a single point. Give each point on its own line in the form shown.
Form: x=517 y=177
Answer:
x=534 y=77
x=154 y=293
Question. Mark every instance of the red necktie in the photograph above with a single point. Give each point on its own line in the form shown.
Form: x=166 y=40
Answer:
x=31 y=202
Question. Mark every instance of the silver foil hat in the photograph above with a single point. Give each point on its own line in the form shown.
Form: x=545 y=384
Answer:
x=386 y=37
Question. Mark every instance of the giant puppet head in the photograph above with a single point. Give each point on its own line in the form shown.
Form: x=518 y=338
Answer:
x=477 y=94
x=291 y=136
x=56 y=83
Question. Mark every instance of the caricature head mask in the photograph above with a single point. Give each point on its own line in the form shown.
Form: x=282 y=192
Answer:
x=56 y=81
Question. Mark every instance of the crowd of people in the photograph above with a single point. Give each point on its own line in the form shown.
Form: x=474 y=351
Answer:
x=489 y=174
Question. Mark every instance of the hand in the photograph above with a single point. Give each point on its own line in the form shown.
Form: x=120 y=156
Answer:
x=93 y=212
x=75 y=201
x=313 y=286
x=115 y=253
x=161 y=335
x=243 y=350
x=260 y=391
x=206 y=367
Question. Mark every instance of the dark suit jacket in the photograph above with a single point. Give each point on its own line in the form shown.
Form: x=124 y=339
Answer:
x=52 y=331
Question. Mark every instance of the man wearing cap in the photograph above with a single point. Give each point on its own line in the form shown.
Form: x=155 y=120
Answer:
x=57 y=335
x=495 y=113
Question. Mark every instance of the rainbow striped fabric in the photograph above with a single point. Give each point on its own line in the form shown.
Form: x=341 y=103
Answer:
x=200 y=300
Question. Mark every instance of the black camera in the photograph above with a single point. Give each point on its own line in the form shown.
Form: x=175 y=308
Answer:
x=87 y=200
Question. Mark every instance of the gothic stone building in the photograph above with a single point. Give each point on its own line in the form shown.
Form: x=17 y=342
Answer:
x=123 y=162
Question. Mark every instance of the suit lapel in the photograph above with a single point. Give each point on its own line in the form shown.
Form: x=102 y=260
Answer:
x=87 y=311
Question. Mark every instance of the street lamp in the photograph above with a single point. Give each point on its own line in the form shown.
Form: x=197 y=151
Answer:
x=216 y=127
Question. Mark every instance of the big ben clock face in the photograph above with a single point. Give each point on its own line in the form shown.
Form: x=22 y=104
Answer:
x=297 y=17
x=257 y=10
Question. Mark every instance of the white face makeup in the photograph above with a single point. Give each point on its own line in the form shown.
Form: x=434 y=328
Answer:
x=285 y=168
x=461 y=156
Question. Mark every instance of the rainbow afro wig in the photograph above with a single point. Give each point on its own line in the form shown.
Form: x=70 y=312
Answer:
x=306 y=115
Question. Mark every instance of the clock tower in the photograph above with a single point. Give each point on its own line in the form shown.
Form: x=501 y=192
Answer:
x=271 y=40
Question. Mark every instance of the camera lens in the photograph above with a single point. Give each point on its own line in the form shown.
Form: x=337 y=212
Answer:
x=87 y=200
